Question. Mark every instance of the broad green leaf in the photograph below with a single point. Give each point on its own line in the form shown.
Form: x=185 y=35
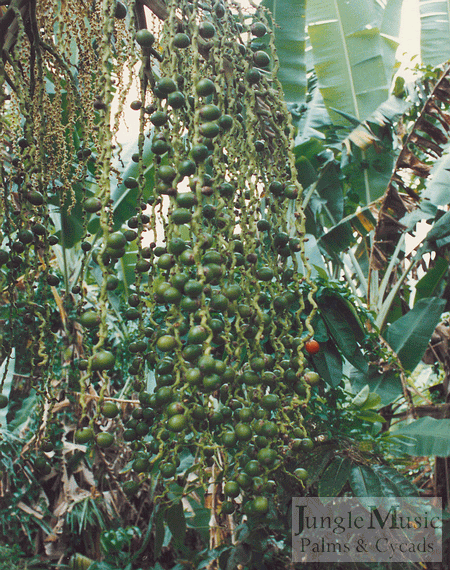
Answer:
x=309 y=150
x=387 y=385
x=310 y=121
x=290 y=40
x=439 y=231
x=314 y=224
x=187 y=462
x=160 y=532
x=365 y=482
x=361 y=396
x=341 y=236
x=26 y=411
x=442 y=242
x=389 y=111
x=329 y=188
x=348 y=55
x=426 y=436
x=402 y=486
x=389 y=32
x=318 y=461
x=369 y=172
x=306 y=172
x=338 y=238
x=125 y=268
x=320 y=329
x=67 y=216
x=313 y=255
x=220 y=554
x=410 y=334
x=335 y=477
x=373 y=402
x=344 y=309
x=392 y=310
x=358 y=360
x=388 y=489
x=434 y=31
x=71 y=224
x=339 y=321
x=6 y=378
x=436 y=190
x=433 y=280
x=176 y=522
x=328 y=363
x=370 y=416
x=240 y=555
x=200 y=515
x=350 y=118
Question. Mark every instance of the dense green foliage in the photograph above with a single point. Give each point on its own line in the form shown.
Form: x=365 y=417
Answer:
x=214 y=319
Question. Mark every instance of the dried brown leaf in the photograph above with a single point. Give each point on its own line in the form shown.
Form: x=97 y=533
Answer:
x=407 y=159
x=442 y=92
x=55 y=549
x=426 y=144
x=362 y=138
x=208 y=501
x=60 y=305
x=61 y=508
x=69 y=447
x=110 y=499
x=431 y=130
x=87 y=475
x=66 y=403
x=30 y=511
x=439 y=114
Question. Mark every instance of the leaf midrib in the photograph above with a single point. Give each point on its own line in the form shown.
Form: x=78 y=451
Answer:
x=347 y=59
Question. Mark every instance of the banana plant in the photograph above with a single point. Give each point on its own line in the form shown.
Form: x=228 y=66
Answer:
x=358 y=197
x=353 y=46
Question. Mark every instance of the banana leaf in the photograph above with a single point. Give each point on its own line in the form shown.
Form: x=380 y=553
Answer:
x=410 y=334
x=6 y=375
x=349 y=56
x=389 y=31
x=426 y=436
x=436 y=190
x=434 y=31
x=311 y=119
x=290 y=40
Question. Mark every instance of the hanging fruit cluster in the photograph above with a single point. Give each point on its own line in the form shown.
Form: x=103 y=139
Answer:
x=225 y=313
x=222 y=301
x=56 y=90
